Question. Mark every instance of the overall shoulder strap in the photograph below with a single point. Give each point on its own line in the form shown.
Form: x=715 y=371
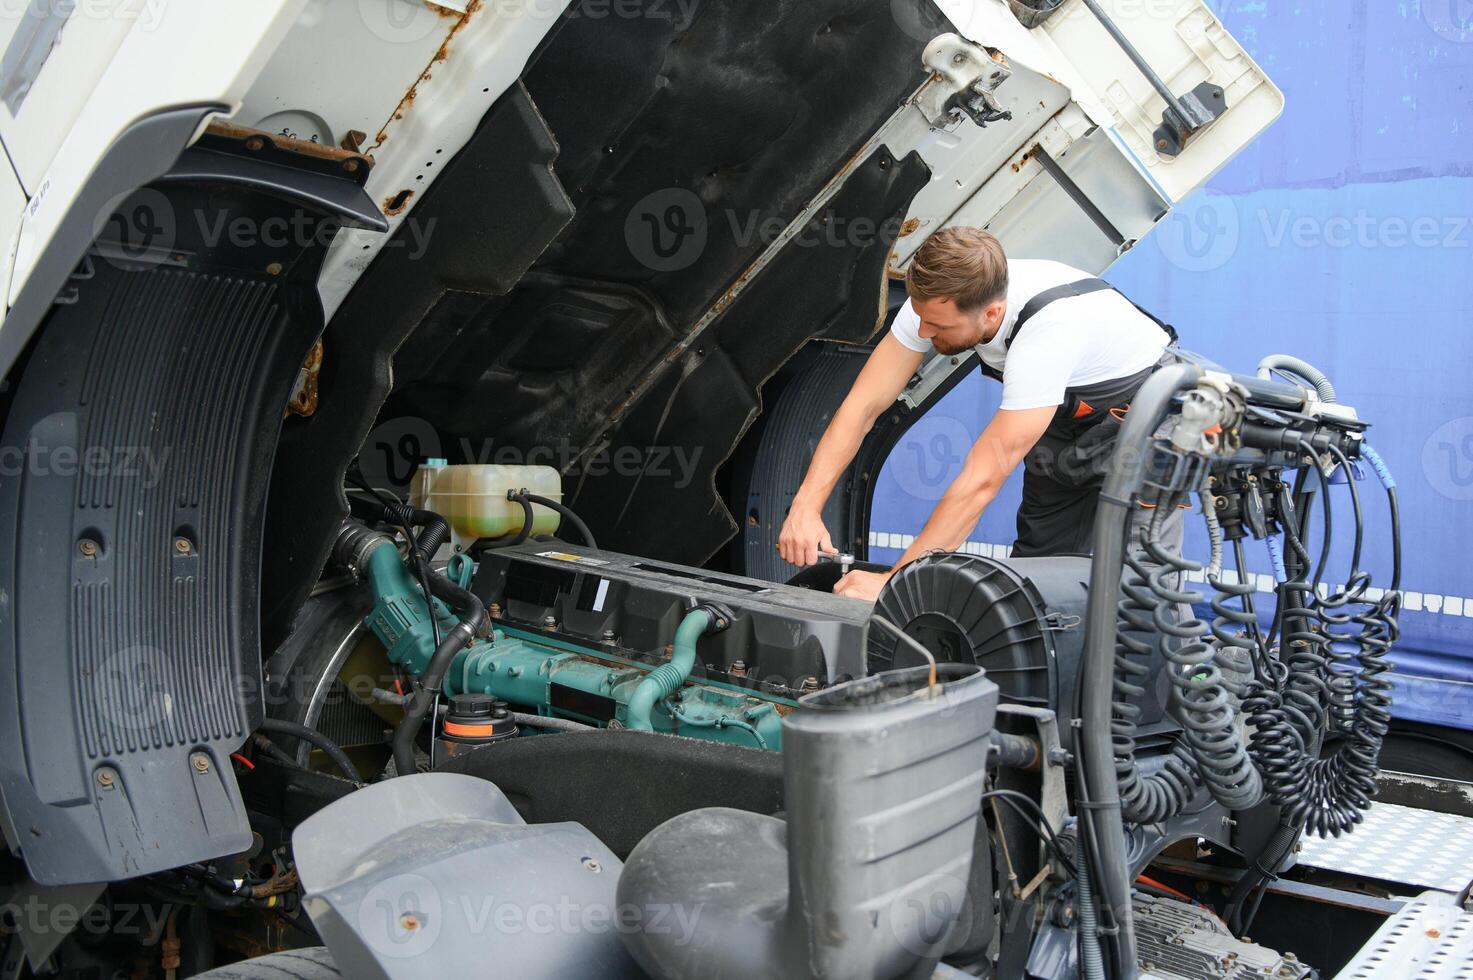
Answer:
x=1039 y=301
x=1080 y=288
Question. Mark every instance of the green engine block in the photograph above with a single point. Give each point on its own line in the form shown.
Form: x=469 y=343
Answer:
x=557 y=678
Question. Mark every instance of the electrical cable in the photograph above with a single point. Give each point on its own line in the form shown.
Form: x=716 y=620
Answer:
x=1037 y=820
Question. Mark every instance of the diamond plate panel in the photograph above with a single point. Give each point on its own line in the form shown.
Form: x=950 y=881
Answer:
x=1400 y=844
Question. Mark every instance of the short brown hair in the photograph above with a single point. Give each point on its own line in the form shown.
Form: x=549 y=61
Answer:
x=964 y=265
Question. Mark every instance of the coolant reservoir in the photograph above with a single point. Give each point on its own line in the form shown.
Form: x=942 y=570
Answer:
x=472 y=497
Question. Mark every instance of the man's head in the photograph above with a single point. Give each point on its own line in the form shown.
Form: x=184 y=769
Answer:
x=958 y=284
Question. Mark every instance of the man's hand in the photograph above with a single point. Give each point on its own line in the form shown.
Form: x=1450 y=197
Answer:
x=862 y=585
x=803 y=537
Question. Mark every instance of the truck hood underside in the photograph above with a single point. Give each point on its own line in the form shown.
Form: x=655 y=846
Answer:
x=564 y=291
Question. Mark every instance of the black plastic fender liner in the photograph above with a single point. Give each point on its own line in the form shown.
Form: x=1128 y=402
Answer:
x=139 y=440
x=142 y=153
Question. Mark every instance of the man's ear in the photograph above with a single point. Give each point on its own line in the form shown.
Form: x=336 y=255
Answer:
x=996 y=310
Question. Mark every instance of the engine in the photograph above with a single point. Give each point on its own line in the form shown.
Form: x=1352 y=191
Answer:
x=1133 y=699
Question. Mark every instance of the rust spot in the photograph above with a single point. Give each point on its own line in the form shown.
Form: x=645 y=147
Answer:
x=256 y=140
x=910 y=226
x=1027 y=155
x=440 y=55
x=396 y=203
x=304 y=399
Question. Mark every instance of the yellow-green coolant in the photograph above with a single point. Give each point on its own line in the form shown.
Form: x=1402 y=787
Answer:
x=472 y=497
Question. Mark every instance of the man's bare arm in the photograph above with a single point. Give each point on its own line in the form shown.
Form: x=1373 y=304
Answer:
x=994 y=456
x=884 y=376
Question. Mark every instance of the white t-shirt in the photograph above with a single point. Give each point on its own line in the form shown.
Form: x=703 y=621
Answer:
x=1078 y=340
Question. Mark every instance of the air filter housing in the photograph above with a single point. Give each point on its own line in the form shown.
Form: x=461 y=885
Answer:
x=1021 y=619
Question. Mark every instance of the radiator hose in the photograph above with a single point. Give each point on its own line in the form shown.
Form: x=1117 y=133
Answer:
x=668 y=677
x=472 y=613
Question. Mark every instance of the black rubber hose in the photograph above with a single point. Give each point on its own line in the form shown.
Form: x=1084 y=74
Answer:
x=520 y=536
x=1117 y=497
x=472 y=614
x=331 y=749
x=562 y=509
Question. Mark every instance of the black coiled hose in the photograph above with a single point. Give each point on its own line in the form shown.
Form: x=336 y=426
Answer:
x=1234 y=647
x=1200 y=701
x=1153 y=798
x=1328 y=671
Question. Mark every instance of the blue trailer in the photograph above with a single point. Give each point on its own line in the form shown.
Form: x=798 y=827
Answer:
x=1345 y=234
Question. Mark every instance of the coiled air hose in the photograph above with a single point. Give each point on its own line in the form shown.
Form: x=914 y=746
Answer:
x=1199 y=695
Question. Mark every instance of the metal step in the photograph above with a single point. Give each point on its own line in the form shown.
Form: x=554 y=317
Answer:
x=1400 y=844
x=1430 y=939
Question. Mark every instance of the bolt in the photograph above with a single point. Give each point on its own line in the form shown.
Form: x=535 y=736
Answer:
x=810 y=684
x=1161 y=144
x=609 y=636
x=201 y=762
x=959 y=58
x=88 y=548
x=1059 y=756
x=409 y=922
x=494 y=610
x=273 y=269
x=738 y=668
x=549 y=622
x=181 y=545
x=104 y=777
x=255 y=143
x=593 y=865
x=351 y=166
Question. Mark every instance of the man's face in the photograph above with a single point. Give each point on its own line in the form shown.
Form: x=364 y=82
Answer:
x=953 y=331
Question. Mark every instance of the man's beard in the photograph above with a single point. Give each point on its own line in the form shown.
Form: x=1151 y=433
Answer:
x=951 y=348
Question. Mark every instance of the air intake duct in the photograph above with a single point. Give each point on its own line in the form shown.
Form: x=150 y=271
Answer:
x=882 y=783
